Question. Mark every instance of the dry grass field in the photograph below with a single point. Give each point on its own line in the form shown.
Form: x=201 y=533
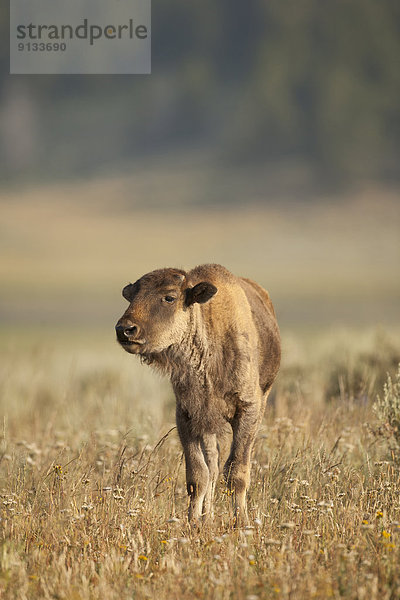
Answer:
x=93 y=501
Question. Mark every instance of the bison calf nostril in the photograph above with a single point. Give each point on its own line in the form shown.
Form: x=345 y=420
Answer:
x=126 y=333
x=130 y=331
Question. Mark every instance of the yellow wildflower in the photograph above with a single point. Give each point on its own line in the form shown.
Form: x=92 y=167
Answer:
x=390 y=546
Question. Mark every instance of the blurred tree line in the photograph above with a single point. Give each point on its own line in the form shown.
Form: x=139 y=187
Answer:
x=249 y=82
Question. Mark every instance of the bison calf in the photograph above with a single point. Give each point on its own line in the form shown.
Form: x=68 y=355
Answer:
x=217 y=338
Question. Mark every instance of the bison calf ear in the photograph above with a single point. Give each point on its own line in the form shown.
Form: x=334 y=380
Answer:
x=202 y=292
x=130 y=290
x=126 y=292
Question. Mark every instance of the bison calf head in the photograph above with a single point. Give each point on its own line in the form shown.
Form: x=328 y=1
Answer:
x=159 y=310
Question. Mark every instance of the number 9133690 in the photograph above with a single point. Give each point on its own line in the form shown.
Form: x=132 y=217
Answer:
x=42 y=47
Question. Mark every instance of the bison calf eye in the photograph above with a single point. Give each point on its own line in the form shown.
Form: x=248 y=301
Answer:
x=169 y=299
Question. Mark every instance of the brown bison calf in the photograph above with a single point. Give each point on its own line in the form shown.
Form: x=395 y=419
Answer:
x=217 y=338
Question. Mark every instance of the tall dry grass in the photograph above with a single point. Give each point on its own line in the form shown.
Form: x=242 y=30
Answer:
x=93 y=501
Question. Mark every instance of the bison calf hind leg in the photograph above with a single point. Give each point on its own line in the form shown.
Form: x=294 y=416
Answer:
x=210 y=450
x=237 y=467
x=237 y=477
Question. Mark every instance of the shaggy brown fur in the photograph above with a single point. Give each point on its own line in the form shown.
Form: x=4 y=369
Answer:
x=217 y=338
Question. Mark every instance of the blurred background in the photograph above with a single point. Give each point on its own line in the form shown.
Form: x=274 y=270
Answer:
x=267 y=139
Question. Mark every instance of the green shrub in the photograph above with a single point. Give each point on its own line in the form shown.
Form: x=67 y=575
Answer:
x=388 y=410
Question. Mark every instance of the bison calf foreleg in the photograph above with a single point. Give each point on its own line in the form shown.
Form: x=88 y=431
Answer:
x=198 y=480
x=237 y=467
x=201 y=458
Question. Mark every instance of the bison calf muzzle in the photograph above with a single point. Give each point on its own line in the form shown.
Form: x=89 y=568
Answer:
x=217 y=338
